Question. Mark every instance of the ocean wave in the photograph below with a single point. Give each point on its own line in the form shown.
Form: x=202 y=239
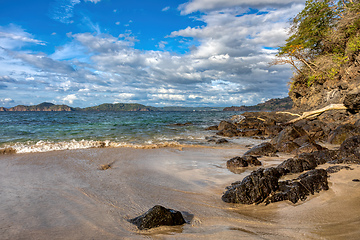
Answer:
x=47 y=146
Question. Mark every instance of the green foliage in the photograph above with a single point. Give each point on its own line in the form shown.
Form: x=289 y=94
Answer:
x=310 y=27
x=324 y=40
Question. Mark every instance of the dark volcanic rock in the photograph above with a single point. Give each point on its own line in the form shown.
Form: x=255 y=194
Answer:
x=264 y=149
x=221 y=141
x=343 y=132
x=324 y=156
x=228 y=132
x=309 y=148
x=244 y=161
x=224 y=125
x=290 y=133
x=254 y=188
x=298 y=189
x=352 y=101
x=250 y=133
x=316 y=129
x=288 y=147
x=272 y=131
x=350 y=150
x=158 y=216
x=335 y=169
x=212 y=128
x=298 y=164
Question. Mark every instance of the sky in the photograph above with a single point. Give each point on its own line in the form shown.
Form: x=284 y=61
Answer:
x=159 y=53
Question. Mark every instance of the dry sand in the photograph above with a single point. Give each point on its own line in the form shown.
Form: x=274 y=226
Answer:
x=63 y=195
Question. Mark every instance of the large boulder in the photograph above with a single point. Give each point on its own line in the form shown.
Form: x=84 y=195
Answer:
x=343 y=132
x=254 y=188
x=264 y=149
x=245 y=161
x=309 y=148
x=227 y=129
x=158 y=216
x=299 y=188
x=228 y=133
x=290 y=133
x=287 y=147
x=318 y=130
x=224 y=125
x=350 y=150
x=352 y=101
x=298 y=164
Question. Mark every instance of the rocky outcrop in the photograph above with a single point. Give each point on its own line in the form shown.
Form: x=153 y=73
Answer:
x=158 y=216
x=349 y=151
x=264 y=149
x=301 y=187
x=343 y=132
x=245 y=161
x=254 y=188
x=352 y=100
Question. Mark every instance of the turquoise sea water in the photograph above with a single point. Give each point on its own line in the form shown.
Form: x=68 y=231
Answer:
x=45 y=131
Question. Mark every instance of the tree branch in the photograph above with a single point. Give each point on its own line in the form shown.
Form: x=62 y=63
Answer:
x=318 y=112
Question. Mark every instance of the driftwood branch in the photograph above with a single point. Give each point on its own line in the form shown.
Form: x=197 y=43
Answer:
x=318 y=112
x=292 y=114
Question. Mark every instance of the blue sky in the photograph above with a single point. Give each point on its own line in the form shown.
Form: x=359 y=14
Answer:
x=160 y=53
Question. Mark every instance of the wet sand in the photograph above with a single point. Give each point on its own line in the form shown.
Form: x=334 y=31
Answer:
x=63 y=195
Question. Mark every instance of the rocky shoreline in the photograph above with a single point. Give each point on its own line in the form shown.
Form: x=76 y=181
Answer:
x=305 y=138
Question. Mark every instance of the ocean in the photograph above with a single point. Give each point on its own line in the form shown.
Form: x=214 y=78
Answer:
x=48 y=131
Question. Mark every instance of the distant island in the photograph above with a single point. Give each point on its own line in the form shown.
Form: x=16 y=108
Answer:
x=277 y=104
x=273 y=104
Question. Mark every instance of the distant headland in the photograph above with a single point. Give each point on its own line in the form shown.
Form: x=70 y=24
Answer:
x=272 y=104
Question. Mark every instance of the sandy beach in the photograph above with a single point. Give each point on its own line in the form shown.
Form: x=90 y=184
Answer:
x=63 y=195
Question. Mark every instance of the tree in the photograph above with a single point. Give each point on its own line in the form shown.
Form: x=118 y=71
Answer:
x=324 y=36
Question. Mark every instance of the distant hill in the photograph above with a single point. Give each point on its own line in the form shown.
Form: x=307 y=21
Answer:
x=276 y=104
x=189 y=109
x=270 y=105
x=42 y=107
x=106 y=107
x=120 y=107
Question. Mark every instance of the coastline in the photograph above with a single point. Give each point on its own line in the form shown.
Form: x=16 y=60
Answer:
x=62 y=194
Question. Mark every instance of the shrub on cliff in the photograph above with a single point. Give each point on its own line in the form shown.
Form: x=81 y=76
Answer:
x=324 y=42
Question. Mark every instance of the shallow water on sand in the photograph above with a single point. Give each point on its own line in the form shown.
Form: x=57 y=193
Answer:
x=63 y=195
x=49 y=131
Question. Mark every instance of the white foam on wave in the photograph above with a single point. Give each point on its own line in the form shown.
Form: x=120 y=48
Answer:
x=47 y=146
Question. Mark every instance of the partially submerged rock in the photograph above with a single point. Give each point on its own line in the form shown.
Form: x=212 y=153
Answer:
x=244 y=161
x=158 y=216
x=264 y=149
x=301 y=187
x=254 y=188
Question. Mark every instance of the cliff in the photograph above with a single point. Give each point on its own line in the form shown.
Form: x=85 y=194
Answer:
x=324 y=50
x=277 y=104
